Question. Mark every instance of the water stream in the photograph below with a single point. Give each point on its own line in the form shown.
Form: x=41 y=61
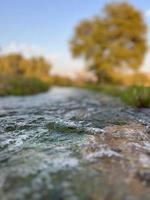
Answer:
x=73 y=144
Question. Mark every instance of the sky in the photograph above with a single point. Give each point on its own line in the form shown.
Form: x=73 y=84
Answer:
x=44 y=27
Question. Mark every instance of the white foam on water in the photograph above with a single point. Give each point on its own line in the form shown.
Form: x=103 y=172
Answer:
x=103 y=152
x=147 y=146
x=60 y=163
x=144 y=160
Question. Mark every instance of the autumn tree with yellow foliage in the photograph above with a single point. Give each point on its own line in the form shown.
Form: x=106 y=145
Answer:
x=111 y=41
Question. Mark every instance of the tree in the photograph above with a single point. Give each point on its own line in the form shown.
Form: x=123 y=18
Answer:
x=114 y=40
x=16 y=65
x=40 y=68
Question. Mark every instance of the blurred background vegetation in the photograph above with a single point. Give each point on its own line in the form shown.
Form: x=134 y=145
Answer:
x=112 y=43
x=22 y=76
x=113 y=46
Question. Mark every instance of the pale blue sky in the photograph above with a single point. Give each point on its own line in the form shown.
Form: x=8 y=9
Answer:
x=48 y=24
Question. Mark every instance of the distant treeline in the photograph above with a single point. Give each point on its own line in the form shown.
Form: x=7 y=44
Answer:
x=17 y=65
x=22 y=76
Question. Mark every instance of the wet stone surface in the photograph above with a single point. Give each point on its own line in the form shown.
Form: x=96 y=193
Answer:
x=71 y=144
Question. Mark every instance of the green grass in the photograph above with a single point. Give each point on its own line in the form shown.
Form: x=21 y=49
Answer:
x=136 y=96
x=21 y=86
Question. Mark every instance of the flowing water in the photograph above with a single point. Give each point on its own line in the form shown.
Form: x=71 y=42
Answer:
x=73 y=144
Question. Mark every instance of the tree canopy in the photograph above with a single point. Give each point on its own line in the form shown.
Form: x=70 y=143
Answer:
x=17 y=65
x=115 y=39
